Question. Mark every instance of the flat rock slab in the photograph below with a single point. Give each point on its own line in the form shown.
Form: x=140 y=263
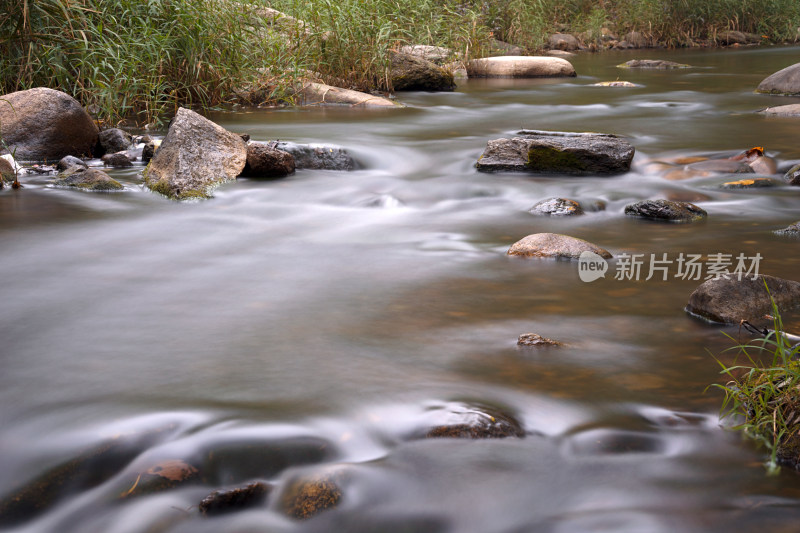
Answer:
x=558 y=153
x=195 y=156
x=666 y=211
x=791 y=110
x=730 y=300
x=520 y=67
x=556 y=246
x=657 y=64
x=785 y=81
x=321 y=94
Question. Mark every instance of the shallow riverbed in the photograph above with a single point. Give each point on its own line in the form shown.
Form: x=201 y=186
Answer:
x=321 y=320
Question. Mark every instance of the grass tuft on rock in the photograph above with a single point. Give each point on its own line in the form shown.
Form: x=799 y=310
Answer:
x=763 y=395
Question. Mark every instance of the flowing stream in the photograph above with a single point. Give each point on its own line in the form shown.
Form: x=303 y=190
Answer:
x=289 y=326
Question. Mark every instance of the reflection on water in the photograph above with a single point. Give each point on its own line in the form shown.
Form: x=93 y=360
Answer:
x=285 y=326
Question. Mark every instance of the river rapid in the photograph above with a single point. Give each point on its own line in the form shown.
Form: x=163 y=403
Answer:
x=287 y=326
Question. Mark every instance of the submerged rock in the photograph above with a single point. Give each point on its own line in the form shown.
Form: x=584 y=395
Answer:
x=785 y=81
x=754 y=183
x=556 y=246
x=158 y=477
x=520 y=67
x=558 y=153
x=730 y=300
x=792 y=230
x=471 y=421
x=263 y=160
x=532 y=339
x=557 y=207
x=652 y=64
x=666 y=210
x=614 y=84
x=89 y=179
x=318 y=157
x=227 y=501
x=44 y=124
x=195 y=156
x=114 y=140
x=320 y=94
x=411 y=73
x=307 y=495
x=791 y=110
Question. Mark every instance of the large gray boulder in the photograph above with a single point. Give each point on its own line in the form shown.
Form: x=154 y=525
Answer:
x=195 y=156
x=520 y=67
x=435 y=54
x=558 y=153
x=730 y=300
x=556 y=246
x=43 y=124
x=785 y=81
x=411 y=73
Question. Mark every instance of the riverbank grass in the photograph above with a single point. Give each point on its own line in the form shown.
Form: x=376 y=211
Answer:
x=763 y=394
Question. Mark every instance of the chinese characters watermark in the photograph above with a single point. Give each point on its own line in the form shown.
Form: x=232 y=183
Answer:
x=661 y=267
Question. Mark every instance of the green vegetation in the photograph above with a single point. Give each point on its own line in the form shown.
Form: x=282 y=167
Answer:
x=143 y=58
x=764 y=396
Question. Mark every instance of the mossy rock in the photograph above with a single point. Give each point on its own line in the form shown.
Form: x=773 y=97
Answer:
x=90 y=179
x=307 y=495
x=7 y=173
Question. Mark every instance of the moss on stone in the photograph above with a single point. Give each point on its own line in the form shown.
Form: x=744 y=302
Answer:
x=550 y=159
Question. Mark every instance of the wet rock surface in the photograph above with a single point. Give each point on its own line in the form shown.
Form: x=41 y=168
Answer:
x=7 y=173
x=89 y=179
x=536 y=340
x=666 y=210
x=44 y=124
x=557 y=207
x=791 y=110
x=264 y=160
x=195 y=156
x=318 y=157
x=554 y=245
x=412 y=73
x=793 y=175
x=307 y=495
x=119 y=160
x=786 y=81
x=754 y=183
x=792 y=230
x=69 y=162
x=730 y=300
x=231 y=500
x=558 y=153
x=471 y=421
x=114 y=140
x=520 y=67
